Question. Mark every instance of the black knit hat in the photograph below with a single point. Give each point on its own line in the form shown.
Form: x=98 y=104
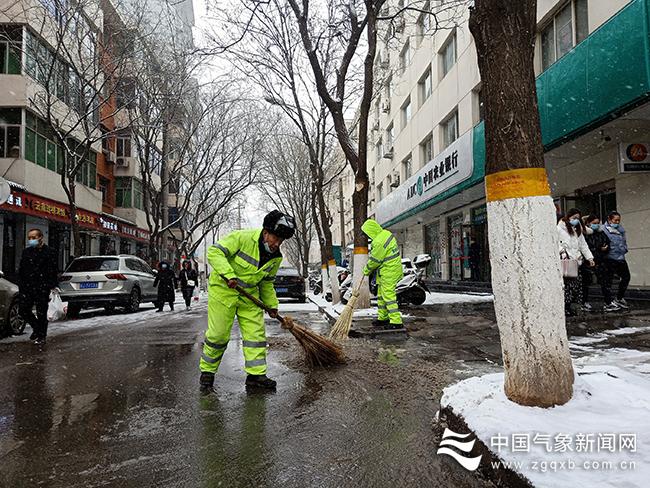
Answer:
x=279 y=224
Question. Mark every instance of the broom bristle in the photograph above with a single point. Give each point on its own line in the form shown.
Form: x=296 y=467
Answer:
x=341 y=327
x=319 y=351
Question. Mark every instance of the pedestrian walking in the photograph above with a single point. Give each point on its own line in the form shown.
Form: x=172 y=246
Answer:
x=189 y=280
x=385 y=258
x=573 y=246
x=251 y=259
x=166 y=283
x=37 y=277
x=598 y=243
x=615 y=263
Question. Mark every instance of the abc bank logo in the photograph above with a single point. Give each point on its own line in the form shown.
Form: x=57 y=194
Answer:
x=420 y=186
x=416 y=188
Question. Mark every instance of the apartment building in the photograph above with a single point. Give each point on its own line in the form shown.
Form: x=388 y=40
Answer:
x=35 y=74
x=428 y=148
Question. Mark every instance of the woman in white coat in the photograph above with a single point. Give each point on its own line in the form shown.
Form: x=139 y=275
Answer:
x=573 y=246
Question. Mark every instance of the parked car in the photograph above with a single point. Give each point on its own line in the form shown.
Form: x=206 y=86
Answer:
x=290 y=284
x=108 y=281
x=11 y=323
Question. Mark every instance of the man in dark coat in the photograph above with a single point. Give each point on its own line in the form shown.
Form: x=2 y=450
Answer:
x=166 y=283
x=37 y=276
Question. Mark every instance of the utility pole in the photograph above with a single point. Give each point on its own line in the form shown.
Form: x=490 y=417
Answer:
x=342 y=216
x=164 y=190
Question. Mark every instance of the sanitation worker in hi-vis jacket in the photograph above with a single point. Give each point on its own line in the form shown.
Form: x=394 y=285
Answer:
x=385 y=258
x=248 y=258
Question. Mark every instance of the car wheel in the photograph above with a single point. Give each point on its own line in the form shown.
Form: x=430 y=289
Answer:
x=73 y=310
x=134 y=301
x=15 y=323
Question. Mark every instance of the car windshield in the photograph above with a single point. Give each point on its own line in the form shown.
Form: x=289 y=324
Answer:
x=93 y=264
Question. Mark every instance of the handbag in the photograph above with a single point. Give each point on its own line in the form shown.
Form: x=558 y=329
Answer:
x=191 y=283
x=569 y=266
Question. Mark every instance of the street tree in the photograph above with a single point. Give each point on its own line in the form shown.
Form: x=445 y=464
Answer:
x=526 y=276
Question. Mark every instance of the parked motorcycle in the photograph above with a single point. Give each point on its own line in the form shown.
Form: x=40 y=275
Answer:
x=410 y=290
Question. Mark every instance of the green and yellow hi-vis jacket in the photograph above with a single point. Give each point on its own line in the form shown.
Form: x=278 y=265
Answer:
x=237 y=256
x=384 y=253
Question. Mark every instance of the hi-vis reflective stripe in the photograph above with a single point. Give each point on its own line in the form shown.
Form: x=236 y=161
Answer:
x=223 y=249
x=243 y=284
x=372 y=258
x=215 y=345
x=253 y=344
x=390 y=239
x=208 y=359
x=396 y=255
x=392 y=302
x=255 y=362
x=248 y=259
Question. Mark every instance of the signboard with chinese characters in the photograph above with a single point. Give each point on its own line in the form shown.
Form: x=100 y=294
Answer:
x=449 y=168
x=25 y=203
x=633 y=157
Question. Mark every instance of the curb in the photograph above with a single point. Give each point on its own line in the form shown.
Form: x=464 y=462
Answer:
x=503 y=477
x=330 y=318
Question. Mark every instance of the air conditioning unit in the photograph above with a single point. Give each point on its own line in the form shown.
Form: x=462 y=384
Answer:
x=385 y=107
x=122 y=162
x=395 y=182
x=388 y=152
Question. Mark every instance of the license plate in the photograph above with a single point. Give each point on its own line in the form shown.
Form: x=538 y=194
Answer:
x=89 y=284
x=282 y=290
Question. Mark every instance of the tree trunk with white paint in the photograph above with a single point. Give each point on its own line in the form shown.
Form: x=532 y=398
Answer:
x=526 y=276
x=334 y=282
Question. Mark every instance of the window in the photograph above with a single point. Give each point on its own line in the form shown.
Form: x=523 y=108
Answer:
x=128 y=193
x=123 y=147
x=567 y=29
x=390 y=136
x=389 y=89
x=379 y=148
x=380 y=191
x=423 y=22
x=478 y=106
x=389 y=184
x=10 y=122
x=10 y=46
x=424 y=86
x=405 y=57
x=406 y=112
x=448 y=55
x=407 y=167
x=450 y=130
x=426 y=150
x=104 y=185
x=87 y=170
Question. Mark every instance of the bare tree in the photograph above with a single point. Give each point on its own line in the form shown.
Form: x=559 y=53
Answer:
x=526 y=275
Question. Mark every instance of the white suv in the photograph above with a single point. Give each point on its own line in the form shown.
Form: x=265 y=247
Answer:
x=108 y=281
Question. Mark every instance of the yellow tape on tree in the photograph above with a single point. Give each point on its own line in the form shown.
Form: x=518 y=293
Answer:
x=332 y=262
x=516 y=183
x=360 y=250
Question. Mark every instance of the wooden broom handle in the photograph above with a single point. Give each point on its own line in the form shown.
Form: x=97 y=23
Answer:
x=255 y=300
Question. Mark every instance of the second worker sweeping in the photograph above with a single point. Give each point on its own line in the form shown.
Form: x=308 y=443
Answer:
x=385 y=258
x=250 y=259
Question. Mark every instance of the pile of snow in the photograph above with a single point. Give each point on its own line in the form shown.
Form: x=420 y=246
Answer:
x=601 y=437
x=444 y=298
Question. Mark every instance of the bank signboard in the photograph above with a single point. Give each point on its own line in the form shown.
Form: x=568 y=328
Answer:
x=446 y=170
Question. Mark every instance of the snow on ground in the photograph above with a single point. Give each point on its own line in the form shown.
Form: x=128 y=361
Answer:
x=435 y=298
x=297 y=307
x=611 y=403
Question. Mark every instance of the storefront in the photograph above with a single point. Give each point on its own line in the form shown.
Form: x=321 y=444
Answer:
x=100 y=234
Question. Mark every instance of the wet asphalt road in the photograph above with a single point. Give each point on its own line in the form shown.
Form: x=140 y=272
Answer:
x=113 y=401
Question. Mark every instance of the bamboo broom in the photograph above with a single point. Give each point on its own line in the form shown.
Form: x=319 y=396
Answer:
x=342 y=326
x=319 y=351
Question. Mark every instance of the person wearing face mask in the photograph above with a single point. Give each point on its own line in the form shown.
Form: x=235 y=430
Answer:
x=249 y=259
x=573 y=246
x=598 y=243
x=614 y=263
x=166 y=283
x=37 y=276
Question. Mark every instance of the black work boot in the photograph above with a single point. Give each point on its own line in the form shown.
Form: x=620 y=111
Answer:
x=390 y=326
x=207 y=382
x=260 y=381
x=380 y=323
